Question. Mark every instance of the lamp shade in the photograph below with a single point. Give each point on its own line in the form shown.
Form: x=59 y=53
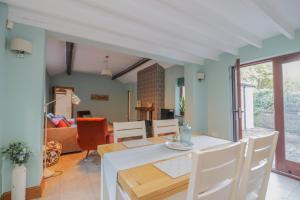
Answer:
x=106 y=72
x=21 y=45
x=75 y=99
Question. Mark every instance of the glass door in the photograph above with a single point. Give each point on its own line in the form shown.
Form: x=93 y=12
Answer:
x=287 y=109
x=257 y=99
x=268 y=99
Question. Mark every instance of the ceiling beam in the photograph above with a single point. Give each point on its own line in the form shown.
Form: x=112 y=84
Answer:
x=106 y=37
x=278 y=20
x=102 y=20
x=69 y=56
x=130 y=68
x=195 y=10
x=168 y=24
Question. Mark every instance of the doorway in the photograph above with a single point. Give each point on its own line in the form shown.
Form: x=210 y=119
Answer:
x=257 y=99
x=63 y=105
x=269 y=100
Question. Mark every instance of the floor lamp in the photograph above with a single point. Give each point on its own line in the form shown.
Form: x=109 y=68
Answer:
x=75 y=100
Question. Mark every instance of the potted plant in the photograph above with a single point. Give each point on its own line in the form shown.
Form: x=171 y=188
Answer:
x=18 y=153
x=182 y=106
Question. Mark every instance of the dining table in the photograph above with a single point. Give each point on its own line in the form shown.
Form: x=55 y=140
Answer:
x=131 y=173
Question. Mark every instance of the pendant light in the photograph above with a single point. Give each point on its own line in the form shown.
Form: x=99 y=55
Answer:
x=106 y=71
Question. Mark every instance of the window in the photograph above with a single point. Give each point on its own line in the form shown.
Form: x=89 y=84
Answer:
x=180 y=97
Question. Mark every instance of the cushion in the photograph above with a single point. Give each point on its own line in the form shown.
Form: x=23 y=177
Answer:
x=60 y=116
x=56 y=120
x=71 y=121
x=62 y=123
x=67 y=122
x=50 y=115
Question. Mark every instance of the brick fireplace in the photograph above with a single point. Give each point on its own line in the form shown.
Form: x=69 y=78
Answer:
x=151 y=89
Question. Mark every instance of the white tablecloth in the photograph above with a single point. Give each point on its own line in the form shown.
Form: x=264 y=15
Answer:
x=121 y=160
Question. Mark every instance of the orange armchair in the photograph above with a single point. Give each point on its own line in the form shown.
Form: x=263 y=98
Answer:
x=91 y=133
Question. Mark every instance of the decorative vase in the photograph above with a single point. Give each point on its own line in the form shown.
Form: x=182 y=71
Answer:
x=185 y=133
x=18 y=182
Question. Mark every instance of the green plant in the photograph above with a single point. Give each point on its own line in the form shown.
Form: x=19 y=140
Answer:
x=263 y=101
x=182 y=104
x=17 y=152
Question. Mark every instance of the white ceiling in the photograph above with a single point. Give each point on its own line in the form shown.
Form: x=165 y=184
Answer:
x=181 y=31
x=90 y=59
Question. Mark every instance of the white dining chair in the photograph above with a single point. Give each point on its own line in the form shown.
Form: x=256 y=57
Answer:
x=257 y=167
x=215 y=173
x=161 y=127
x=124 y=130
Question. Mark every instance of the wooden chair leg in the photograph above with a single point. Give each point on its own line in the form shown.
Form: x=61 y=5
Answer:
x=87 y=154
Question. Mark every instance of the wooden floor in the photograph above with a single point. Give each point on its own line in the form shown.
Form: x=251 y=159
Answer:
x=80 y=180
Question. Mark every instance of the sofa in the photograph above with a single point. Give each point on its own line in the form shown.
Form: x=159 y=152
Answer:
x=66 y=136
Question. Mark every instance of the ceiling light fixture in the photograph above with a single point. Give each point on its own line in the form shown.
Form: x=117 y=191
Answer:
x=106 y=71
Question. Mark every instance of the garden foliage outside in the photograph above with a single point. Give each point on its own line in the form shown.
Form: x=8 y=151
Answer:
x=261 y=76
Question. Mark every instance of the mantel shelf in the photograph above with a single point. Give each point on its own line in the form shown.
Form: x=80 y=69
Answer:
x=146 y=109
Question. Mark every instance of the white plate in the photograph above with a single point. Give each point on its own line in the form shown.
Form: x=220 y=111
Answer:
x=179 y=146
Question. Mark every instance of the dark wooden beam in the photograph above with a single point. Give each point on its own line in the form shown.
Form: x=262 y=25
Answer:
x=130 y=68
x=69 y=56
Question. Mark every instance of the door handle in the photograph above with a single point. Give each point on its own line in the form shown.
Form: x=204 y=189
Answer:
x=239 y=111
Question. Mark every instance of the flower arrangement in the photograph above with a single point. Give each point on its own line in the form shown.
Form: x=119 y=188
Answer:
x=17 y=152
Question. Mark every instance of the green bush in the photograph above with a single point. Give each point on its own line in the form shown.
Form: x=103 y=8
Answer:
x=17 y=152
x=263 y=101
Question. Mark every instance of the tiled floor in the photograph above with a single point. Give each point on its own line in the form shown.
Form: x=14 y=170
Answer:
x=80 y=180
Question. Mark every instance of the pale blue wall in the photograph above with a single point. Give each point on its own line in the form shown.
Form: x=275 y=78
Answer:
x=97 y=84
x=218 y=80
x=196 y=101
x=101 y=85
x=218 y=96
x=86 y=84
x=24 y=91
x=171 y=76
x=3 y=16
x=48 y=89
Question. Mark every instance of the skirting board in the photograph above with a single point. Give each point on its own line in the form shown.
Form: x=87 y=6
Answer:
x=31 y=193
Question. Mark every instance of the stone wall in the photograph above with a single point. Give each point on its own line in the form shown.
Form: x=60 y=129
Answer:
x=151 y=88
x=266 y=120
